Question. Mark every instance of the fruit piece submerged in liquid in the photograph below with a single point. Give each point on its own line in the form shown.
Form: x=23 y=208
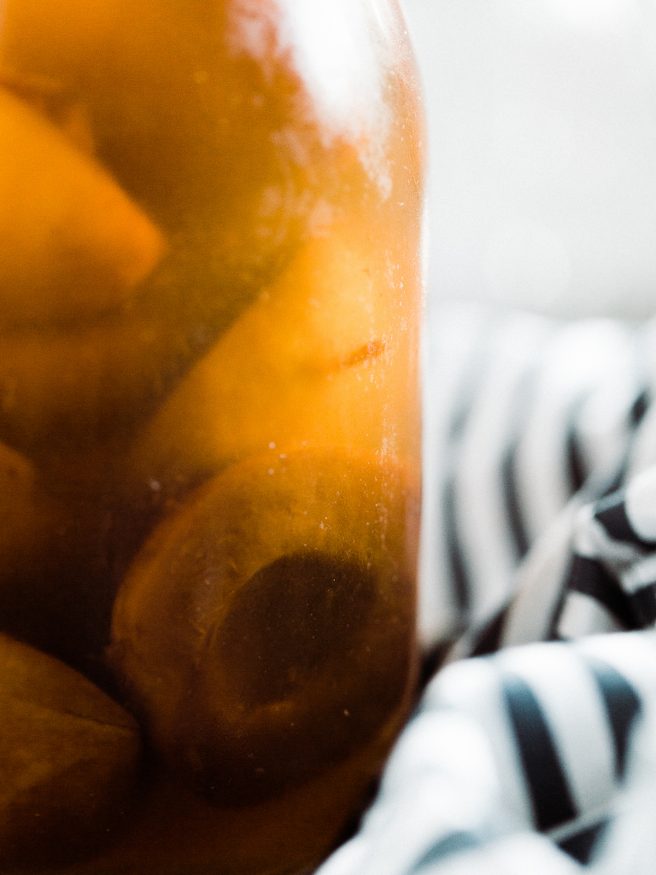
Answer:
x=319 y=359
x=291 y=588
x=69 y=759
x=68 y=218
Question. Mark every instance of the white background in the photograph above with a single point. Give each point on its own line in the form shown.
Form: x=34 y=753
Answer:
x=542 y=125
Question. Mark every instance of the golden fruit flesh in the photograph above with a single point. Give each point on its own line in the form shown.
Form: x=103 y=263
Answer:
x=69 y=759
x=68 y=218
x=283 y=576
x=323 y=341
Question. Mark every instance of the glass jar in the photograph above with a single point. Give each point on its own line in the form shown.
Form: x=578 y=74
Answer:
x=209 y=401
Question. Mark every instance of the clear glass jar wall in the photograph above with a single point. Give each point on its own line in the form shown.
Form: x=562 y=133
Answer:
x=209 y=426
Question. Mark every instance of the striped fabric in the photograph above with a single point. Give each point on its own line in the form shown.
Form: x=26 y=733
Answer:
x=524 y=420
x=537 y=751
x=530 y=743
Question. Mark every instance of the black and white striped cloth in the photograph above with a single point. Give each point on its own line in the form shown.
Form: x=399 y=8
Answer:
x=521 y=755
x=533 y=748
x=527 y=421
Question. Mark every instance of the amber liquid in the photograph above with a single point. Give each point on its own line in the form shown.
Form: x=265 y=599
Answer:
x=209 y=304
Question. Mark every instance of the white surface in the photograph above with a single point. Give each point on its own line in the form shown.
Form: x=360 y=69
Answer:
x=542 y=122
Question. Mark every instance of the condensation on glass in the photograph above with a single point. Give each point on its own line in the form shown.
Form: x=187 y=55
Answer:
x=209 y=426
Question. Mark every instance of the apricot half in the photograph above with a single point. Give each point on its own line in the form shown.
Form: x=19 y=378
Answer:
x=326 y=356
x=69 y=760
x=73 y=243
x=265 y=631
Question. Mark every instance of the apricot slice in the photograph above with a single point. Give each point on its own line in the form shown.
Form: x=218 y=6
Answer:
x=69 y=387
x=73 y=243
x=217 y=141
x=69 y=760
x=265 y=632
x=326 y=356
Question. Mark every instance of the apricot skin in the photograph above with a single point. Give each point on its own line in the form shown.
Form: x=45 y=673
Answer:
x=241 y=703
x=69 y=759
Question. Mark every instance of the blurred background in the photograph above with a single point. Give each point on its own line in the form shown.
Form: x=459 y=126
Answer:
x=542 y=125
